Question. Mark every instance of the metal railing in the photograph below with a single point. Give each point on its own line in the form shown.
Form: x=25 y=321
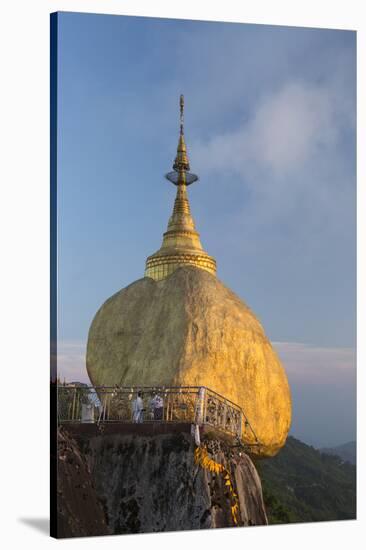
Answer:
x=190 y=404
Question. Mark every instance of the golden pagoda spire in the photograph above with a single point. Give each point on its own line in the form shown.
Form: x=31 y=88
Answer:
x=181 y=243
x=181 y=162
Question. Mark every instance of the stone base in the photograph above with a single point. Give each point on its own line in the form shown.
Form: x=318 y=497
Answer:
x=148 y=482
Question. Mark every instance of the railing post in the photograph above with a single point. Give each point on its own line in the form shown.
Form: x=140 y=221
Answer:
x=240 y=431
x=105 y=406
x=224 y=416
x=200 y=406
x=167 y=406
x=73 y=405
x=204 y=407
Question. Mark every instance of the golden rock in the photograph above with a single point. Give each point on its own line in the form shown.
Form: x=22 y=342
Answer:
x=189 y=329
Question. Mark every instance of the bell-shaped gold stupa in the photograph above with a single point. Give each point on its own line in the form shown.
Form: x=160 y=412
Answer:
x=181 y=326
x=181 y=242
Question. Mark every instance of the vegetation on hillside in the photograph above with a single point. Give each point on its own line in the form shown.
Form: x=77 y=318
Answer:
x=301 y=484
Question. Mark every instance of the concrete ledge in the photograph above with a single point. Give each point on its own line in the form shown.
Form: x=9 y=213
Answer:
x=146 y=429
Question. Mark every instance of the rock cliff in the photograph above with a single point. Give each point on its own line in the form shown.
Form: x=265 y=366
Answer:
x=79 y=510
x=114 y=483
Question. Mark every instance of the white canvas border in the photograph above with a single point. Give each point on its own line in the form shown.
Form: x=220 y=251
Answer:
x=25 y=281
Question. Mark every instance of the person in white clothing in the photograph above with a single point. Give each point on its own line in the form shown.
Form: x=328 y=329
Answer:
x=138 y=409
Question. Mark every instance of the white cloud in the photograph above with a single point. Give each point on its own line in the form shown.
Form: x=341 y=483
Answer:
x=290 y=125
x=287 y=128
x=309 y=364
x=289 y=164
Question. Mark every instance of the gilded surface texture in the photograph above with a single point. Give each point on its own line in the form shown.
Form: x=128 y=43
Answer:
x=189 y=329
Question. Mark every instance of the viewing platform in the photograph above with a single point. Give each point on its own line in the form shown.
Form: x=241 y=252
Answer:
x=161 y=409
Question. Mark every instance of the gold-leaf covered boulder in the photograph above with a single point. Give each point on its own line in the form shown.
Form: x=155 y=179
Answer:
x=188 y=329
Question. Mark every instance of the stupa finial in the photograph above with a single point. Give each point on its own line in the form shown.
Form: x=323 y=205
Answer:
x=181 y=174
x=181 y=105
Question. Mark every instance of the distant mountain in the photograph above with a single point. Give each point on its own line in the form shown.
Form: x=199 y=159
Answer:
x=301 y=484
x=347 y=451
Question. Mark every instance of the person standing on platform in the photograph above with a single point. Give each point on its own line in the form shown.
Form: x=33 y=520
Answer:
x=138 y=409
x=152 y=407
x=158 y=408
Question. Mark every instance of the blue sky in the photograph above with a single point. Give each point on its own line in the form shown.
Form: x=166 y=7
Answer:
x=270 y=127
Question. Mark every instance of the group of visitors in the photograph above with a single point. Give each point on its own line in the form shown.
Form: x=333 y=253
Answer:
x=156 y=408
